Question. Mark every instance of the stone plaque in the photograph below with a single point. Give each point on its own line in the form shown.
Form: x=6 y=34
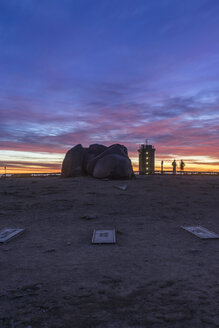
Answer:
x=9 y=233
x=201 y=232
x=104 y=237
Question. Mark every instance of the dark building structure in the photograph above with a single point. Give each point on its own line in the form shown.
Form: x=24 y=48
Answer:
x=146 y=159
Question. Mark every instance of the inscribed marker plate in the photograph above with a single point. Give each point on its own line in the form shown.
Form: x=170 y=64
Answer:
x=201 y=232
x=104 y=237
x=8 y=233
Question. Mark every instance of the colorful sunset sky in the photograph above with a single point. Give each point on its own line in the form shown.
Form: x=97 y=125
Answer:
x=109 y=71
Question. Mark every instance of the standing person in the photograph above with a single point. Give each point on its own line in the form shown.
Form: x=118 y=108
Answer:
x=161 y=167
x=182 y=165
x=174 y=164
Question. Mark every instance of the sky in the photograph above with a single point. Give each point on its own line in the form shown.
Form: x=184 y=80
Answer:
x=108 y=71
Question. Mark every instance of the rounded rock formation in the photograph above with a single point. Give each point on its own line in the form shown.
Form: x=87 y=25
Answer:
x=72 y=165
x=98 y=161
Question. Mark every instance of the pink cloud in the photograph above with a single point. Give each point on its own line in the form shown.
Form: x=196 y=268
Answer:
x=171 y=126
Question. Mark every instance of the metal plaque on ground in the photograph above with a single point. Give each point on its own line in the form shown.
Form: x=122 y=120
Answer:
x=104 y=237
x=9 y=233
x=201 y=232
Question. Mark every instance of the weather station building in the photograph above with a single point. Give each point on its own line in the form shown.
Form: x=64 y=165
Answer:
x=146 y=159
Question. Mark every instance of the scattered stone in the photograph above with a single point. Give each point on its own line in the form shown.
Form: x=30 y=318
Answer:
x=50 y=250
x=89 y=217
x=124 y=187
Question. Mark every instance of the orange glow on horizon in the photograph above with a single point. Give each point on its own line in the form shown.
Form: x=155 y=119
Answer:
x=18 y=162
x=19 y=169
x=189 y=167
x=30 y=170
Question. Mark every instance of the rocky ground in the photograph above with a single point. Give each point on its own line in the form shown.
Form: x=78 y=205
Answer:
x=156 y=275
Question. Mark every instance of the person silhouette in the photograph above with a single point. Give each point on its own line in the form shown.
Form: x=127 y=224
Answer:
x=182 y=165
x=174 y=164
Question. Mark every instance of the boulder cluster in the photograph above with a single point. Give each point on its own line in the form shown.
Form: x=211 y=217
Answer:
x=98 y=161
